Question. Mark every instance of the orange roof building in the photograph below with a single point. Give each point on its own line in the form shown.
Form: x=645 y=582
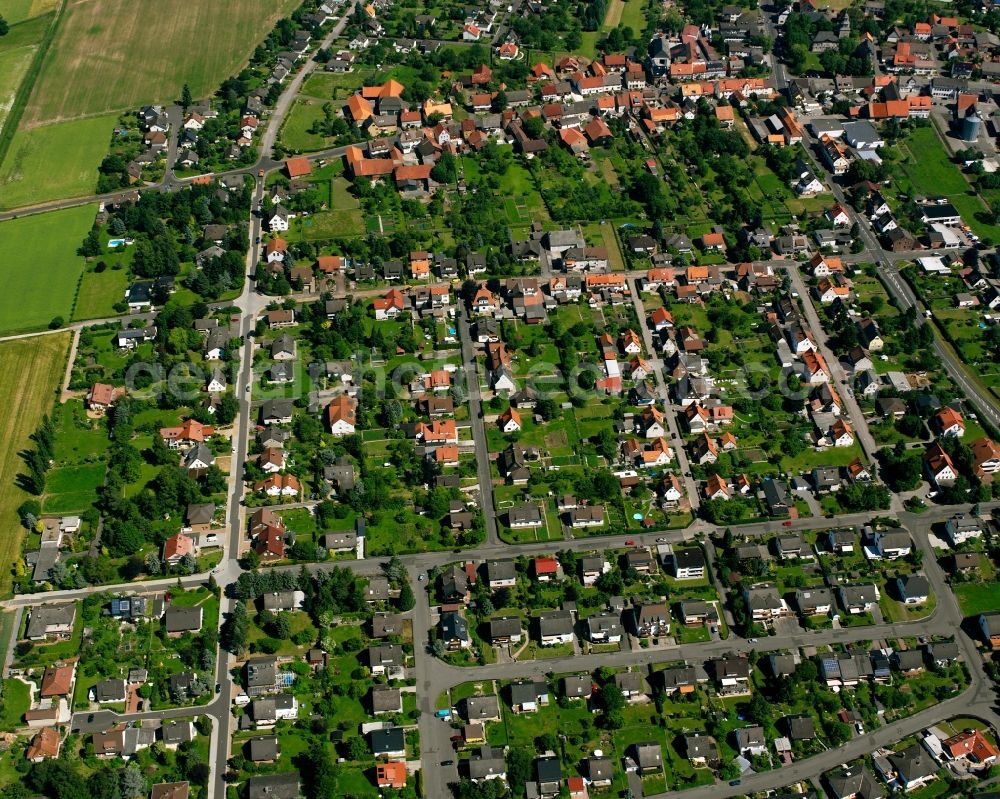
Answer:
x=190 y=430
x=44 y=745
x=390 y=775
x=57 y=681
x=298 y=167
x=442 y=431
x=510 y=417
x=341 y=414
x=391 y=88
x=972 y=745
x=178 y=546
x=950 y=421
x=328 y=264
x=359 y=108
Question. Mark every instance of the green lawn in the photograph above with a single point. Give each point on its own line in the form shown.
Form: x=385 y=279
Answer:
x=295 y=133
x=16 y=700
x=929 y=170
x=976 y=598
x=45 y=283
x=328 y=85
x=54 y=161
x=99 y=291
x=72 y=489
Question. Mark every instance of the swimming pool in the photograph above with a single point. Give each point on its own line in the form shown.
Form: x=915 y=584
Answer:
x=115 y=243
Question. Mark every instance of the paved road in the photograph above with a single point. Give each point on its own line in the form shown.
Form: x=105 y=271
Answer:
x=432 y=676
x=230 y=569
x=290 y=92
x=886 y=261
x=838 y=375
x=475 y=400
x=670 y=412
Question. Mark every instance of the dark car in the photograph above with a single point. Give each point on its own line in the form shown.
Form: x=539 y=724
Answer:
x=734 y=782
x=447 y=762
x=456 y=738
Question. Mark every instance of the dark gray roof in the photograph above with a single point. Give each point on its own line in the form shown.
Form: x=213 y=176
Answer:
x=482 y=707
x=555 y=622
x=385 y=699
x=110 y=691
x=486 y=762
x=274 y=786
x=388 y=740
x=264 y=747
x=176 y=732
x=183 y=619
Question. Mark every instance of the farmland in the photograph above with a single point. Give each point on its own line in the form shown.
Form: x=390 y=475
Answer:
x=51 y=239
x=14 y=63
x=115 y=54
x=15 y=11
x=54 y=161
x=31 y=372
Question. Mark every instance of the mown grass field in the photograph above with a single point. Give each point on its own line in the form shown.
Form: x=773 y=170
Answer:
x=99 y=291
x=54 y=161
x=30 y=372
x=116 y=54
x=295 y=133
x=929 y=170
x=44 y=283
x=976 y=598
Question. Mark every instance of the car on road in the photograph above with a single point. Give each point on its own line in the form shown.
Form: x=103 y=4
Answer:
x=456 y=739
x=630 y=542
x=661 y=540
x=787 y=523
x=218 y=688
x=447 y=762
x=420 y=578
x=751 y=640
x=734 y=782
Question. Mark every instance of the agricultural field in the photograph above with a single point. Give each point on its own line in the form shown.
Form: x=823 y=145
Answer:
x=627 y=13
x=15 y=11
x=64 y=130
x=32 y=297
x=115 y=54
x=30 y=373
x=17 y=49
x=50 y=162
